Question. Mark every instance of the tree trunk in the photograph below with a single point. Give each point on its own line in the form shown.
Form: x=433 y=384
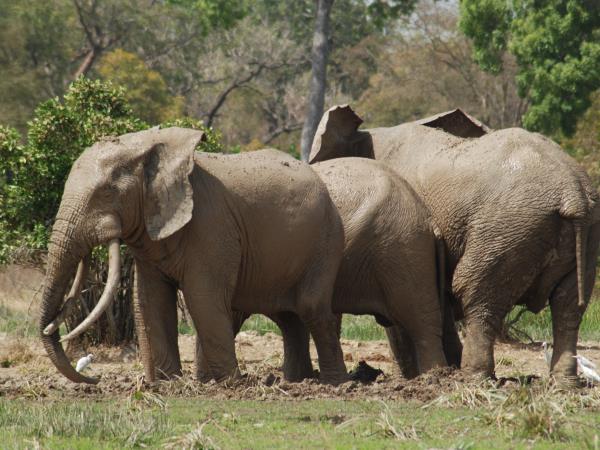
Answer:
x=318 y=82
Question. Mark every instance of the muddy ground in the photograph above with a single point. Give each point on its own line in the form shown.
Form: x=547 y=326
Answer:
x=27 y=371
x=30 y=373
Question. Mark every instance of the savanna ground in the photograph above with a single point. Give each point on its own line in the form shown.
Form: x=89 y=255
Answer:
x=41 y=409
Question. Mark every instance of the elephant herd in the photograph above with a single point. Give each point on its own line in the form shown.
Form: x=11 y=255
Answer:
x=419 y=225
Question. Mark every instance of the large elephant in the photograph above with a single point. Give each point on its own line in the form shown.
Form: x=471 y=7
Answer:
x=519 y=218
x=389 y=266
x=255 y=232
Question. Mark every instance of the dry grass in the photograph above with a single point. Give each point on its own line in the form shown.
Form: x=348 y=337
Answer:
x=529 y=411
x=193 y=440
x=15 y=352
x=393 y=426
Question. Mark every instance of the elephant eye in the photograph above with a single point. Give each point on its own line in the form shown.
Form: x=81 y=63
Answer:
x=108 y=191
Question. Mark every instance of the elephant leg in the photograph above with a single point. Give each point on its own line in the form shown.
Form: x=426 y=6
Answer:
x=203 y=374
x=296 y=355
x=484 y=314
x=416 y=309
x=324 y=327
x=566 y=318
x=403 y=350
x=567 y=314
x=155 y=312
x=208 y=299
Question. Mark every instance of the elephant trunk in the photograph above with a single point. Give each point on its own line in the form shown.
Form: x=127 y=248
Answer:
x=62 y=260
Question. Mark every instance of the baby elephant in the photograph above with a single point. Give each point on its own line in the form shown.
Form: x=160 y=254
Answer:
x=388 y=268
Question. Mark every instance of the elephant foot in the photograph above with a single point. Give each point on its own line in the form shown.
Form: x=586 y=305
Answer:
x=296 y=375
x=334 y=379
x=227 y=376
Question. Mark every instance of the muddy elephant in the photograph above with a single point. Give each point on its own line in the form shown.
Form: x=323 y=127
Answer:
x=255 y=232
x=388 y=269
x=519 y=218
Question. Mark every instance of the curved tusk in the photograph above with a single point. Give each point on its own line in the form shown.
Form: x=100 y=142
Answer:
x=74 y=293
x=82 y=271
x=112 y=283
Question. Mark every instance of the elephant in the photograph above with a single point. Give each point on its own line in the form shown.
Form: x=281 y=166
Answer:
x=519 y=220
x=388 y=269
x=255 y=232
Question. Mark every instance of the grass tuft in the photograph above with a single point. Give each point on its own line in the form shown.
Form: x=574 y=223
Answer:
x=193 y=440
x=394 y=427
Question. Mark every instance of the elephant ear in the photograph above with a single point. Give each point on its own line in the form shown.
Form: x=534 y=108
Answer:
x=337 y=136
x=168 y=196
x=456 y=122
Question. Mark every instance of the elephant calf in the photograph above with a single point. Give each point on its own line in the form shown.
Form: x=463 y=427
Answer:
x=255 y=232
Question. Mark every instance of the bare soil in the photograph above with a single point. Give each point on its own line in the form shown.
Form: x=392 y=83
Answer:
x=32 y=375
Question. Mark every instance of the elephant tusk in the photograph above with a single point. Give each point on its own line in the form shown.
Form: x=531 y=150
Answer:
x=112 y=283
x=72 y=297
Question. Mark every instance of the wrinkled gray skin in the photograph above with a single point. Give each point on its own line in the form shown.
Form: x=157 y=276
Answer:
x=255 y=232
x=388 y=268
x=519 y=218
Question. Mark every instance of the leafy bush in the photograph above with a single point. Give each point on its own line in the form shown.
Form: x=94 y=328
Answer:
x=32 y=175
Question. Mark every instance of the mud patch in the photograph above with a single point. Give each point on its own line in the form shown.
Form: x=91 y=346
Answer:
x=260 y=359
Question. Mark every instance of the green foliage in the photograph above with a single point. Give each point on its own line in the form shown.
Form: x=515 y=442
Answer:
x=212 y=142
x=32 y=175
x=584 y=145
x=557 y=47
x=486 y=22
x=213 y=13
x=35 y=173
x=145 y=89
x=36 y=45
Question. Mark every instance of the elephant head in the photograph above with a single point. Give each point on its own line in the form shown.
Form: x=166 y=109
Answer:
x=118 y=189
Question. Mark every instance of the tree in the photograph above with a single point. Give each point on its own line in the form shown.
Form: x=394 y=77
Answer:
x=556 y=44
x=145 y=89
x=377 y=13
x=316 y=99
x=584 y=145
x=424 y=66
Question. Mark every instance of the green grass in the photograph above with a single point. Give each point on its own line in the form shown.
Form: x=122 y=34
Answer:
x=16 y=323
x=539 y=326
x=360 y=328
x=200 y=423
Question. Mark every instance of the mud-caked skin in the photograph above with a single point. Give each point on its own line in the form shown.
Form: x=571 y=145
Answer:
x=388 y=268
x=255 y=233
x=519 y=219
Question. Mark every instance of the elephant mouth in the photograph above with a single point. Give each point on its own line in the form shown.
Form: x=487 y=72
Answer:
x=112 y=284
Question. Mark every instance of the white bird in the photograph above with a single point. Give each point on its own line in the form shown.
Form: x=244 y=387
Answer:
x=586 y=362
x=84 y=362
x=587 y=369
x=547 y=354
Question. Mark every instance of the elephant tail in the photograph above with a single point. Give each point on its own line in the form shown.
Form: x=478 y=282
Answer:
x=582 y=210
x=581 y=232
x=440 y=254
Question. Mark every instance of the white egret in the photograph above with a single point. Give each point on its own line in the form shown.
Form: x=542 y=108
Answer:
x=587 y=370
x=586 y=362
x=547 y=354
x=84 y=362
